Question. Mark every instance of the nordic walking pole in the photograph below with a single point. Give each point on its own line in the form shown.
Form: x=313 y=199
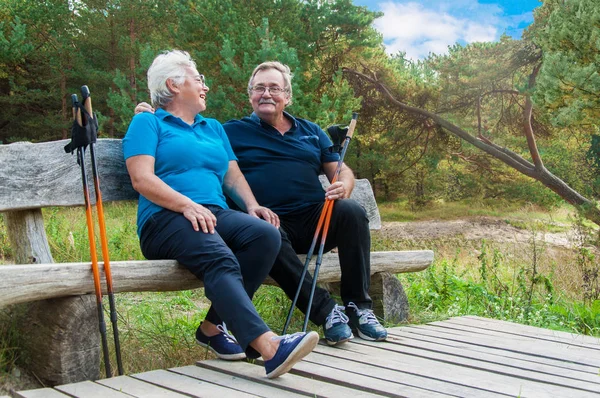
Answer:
x=324 y=219
x=87 y=104
x=92 y=239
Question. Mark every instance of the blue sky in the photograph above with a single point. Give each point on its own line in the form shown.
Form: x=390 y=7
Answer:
x=421 y=27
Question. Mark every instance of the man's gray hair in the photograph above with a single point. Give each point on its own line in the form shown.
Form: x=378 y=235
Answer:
x=278 y=66
x=168 y=65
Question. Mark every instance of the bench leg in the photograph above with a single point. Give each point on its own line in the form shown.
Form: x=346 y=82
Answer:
x=389 y=300
x=61 y=343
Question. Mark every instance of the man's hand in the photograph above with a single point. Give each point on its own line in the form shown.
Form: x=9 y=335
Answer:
x=143 y=107
x=265 y=214
x=336 y=190
x=201 y=218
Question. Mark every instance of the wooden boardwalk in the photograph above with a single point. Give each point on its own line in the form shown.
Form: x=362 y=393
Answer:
x=461 y=357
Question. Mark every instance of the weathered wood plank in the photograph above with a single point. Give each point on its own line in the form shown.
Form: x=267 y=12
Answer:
x=237 y=383
x=189 y=385
x=527 y=371
x=24 y=283
x=527 y=330
x=377 y=376
x=422 y=347
x=290 y=382
x=403 y=334
x=138 y=388
x=503 y=334
x=89 y=389
x=39 y=393
x=532 y=349
x=394 y=367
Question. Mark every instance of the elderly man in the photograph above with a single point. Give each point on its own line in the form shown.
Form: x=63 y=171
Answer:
x=281 y=157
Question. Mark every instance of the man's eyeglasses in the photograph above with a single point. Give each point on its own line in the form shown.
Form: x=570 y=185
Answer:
x=274 y=91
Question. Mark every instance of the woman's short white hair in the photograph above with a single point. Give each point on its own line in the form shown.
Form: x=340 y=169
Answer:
x=278 y=66
x=168 y=65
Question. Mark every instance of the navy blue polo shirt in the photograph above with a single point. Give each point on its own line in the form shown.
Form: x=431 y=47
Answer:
x=282 y=170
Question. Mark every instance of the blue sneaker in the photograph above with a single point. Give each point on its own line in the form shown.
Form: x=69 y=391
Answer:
x=223 y=345
x=292 y=348
x=365 y=323
x=336 y=329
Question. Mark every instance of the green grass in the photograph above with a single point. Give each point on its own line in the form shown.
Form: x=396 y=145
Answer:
x=468 y=277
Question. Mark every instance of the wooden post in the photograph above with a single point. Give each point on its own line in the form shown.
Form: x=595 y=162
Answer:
x=60 y=336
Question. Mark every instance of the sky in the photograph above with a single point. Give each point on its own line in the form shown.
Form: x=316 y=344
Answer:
x=421 y=27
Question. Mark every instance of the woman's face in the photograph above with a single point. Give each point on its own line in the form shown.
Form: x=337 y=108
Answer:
x=192 y=92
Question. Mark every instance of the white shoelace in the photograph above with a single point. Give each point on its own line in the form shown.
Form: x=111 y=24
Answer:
x=286 y=338
x=223 y=329
x=365 y=316
x=337 y=315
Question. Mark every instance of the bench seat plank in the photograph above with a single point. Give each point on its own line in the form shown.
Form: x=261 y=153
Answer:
x=33 y=282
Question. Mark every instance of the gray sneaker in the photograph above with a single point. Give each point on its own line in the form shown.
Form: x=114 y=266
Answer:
x=364 y=322
x=336 y=329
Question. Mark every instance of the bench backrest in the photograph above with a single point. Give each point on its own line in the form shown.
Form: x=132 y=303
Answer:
x=35 y=176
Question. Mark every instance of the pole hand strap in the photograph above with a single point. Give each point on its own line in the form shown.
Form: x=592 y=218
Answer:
x=337 y=132
x=82 y=136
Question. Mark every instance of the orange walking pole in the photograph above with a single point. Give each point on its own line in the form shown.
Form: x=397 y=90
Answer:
x=79 y=143
x=87 y=104
x=324 y=220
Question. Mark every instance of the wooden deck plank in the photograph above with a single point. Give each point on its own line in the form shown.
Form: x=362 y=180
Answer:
x=584 y=348
x=432 y=348
x=235 y=382
x=488 y=382
x=378 y=379
x=89 y=389
x=541 y=349
x=189 y=385
x=313 y=387
x=534 y=331
x=507 y=355
x=40 y=393
x=138 y=388
x=391 y=350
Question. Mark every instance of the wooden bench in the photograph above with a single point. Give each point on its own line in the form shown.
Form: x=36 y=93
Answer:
x=60 y=323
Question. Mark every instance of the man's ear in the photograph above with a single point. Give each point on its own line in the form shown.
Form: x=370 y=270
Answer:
x=172 y=86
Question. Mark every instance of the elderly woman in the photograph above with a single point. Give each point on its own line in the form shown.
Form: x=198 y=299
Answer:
x=182 y=165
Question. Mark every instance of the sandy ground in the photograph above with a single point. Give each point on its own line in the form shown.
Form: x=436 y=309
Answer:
x=475 y=228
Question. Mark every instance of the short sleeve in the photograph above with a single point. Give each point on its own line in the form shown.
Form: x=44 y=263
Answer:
x=142 y=136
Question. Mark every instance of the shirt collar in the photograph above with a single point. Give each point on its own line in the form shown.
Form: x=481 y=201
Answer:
x=163 y=114
x=254 y=117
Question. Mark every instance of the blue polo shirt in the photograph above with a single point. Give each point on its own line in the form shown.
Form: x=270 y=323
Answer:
x=191 y=159
x=282 y=170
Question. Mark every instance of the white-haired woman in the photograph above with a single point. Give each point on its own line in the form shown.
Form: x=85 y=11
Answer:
x=182 y=165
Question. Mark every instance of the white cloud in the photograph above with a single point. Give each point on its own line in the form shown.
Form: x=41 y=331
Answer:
x=419 y=29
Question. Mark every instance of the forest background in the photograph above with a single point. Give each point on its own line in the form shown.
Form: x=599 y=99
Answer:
x=511 y=123
x=424 y=125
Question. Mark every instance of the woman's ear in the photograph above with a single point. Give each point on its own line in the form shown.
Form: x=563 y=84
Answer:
x=172 y=86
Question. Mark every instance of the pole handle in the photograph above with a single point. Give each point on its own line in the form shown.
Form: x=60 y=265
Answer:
x=86 y=100
x=352 y=125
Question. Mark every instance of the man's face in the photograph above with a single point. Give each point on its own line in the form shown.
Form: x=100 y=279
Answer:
x=266 y=105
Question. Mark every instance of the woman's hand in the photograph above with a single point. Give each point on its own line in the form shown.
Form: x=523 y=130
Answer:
x=143 y=107
x=266 y=214
x=200 y=217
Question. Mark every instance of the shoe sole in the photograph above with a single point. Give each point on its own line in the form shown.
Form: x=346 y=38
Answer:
x=369 y=338
x=227 y=357
x=305 y=347
x=332 y=343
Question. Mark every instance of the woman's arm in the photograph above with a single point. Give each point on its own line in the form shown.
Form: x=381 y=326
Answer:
x=236 y=187
x=144 y=181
